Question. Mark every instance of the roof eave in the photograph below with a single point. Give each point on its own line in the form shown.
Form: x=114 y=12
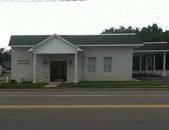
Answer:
x=21 y=45
x=143 y=51
x=109 y=45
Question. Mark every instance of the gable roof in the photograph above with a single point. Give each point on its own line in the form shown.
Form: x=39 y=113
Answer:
x=27 y=39
x=153 y=46
x=52 y=36
x=78 y=39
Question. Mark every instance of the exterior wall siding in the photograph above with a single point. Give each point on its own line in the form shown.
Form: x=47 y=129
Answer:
x=55 y=46
x=121 y=64
x=23 y=71
x=43 y=70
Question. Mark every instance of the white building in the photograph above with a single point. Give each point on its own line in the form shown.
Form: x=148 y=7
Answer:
x=73 y=58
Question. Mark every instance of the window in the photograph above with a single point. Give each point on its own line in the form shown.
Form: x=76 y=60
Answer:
x=107 y=64
x=91 y=64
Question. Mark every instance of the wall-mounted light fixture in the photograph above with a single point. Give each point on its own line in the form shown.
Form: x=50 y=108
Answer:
x=45 y=62
x=70 y=61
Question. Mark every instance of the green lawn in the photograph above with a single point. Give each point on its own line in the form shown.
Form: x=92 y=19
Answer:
x=25 y=85
x=85 y=84
x=111 y=84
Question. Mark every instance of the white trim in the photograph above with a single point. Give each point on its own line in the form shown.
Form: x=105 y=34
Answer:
x=118 y=34
x=69 y=42
x=31 y=49
x=109 y=45
x=54 y=35
x=98 y=34
x=153 y=42
x=34 y=68
x=21 y=46
x=164 y=65
x=140 y=64
x=76 y=69
x=154 y=63
x=146 y=66
x=142 y=51
x=56 y=53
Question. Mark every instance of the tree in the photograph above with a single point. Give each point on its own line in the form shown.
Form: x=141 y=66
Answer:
x=165 y=36
x=149 y=33
x=121 y=29
x=5 y=55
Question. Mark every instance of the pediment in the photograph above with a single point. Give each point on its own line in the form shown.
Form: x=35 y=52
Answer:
x=55 y=45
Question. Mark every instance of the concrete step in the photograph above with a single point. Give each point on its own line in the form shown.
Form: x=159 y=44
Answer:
x=52 y=84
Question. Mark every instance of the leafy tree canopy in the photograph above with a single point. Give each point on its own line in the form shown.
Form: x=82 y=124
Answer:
x=150 y=33
x=5 y=55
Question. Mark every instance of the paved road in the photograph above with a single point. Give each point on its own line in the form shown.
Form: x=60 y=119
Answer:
x=121 y=118
x=84 y=97
x=84 y=119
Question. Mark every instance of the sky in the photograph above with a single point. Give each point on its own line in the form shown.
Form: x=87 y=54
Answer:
x=80 y=17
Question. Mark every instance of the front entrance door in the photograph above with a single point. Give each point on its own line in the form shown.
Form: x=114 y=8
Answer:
x=58 y=71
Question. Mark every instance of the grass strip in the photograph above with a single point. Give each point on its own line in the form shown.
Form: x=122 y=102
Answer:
x=25 y=85
x=111 y=84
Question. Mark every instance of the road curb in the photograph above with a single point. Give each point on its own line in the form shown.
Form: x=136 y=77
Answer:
x=91 y=89
x=28 y=89
x=118 y=89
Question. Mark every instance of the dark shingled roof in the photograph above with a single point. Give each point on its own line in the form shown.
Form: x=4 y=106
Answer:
x=77 y=39
x=27 y=39
x=154 y=46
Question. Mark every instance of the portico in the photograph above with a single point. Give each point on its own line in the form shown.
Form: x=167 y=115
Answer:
x=62 y=52
x=149 y=52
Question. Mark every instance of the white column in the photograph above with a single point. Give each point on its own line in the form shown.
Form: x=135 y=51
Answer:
x=154 y=63
x=76 y=69
x=34 y=68
x=140 y=67
x=164 y=65
x=146 y=67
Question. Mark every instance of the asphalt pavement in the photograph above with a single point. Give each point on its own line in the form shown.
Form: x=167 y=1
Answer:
x=115 y=117
x=84 y=97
